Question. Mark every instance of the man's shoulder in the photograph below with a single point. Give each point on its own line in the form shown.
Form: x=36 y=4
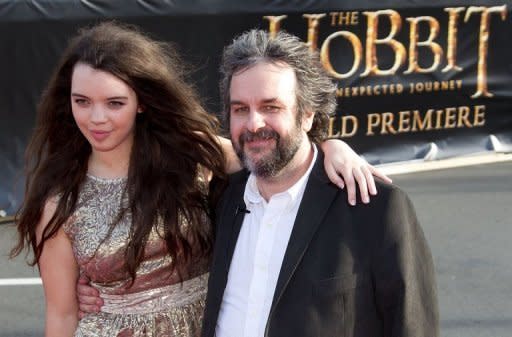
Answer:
x=390 y=198
x=236 y=184
x=387 y=190
x=238 y=177
x=392 y=204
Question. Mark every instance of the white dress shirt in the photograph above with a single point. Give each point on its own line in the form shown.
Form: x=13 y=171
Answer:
x=257 y=258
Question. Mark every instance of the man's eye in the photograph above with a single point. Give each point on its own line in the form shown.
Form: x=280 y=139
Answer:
x=271 y=108
x=241 y=109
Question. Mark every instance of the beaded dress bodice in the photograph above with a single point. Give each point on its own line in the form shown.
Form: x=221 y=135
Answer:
x=156 y=303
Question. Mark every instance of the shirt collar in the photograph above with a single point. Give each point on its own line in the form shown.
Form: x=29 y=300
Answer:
x=252 y=194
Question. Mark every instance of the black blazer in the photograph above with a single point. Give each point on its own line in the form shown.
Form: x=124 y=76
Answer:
x=362 y=270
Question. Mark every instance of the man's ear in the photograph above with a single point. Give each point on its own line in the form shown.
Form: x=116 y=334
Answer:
x=307 y=120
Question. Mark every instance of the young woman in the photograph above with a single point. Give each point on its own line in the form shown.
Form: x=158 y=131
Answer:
x=117 y=188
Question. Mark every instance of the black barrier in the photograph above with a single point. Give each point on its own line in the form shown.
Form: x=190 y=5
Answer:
x=414 y=81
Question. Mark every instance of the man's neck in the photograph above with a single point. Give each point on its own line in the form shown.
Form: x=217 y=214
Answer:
x=289 y=175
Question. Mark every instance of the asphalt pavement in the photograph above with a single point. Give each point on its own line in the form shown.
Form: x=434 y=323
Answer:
x=465 y=213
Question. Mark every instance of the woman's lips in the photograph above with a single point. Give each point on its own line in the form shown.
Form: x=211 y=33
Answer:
x=99 y=135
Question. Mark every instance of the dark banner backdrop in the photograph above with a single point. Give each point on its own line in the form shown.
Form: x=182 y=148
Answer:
x=416 y=79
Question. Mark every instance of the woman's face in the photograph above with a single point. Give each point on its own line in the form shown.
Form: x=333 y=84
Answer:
x=104 y=108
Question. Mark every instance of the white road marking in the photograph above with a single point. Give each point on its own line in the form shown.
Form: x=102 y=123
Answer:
x=20 y=281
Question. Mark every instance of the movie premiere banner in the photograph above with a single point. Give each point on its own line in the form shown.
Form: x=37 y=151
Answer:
x=416 y=80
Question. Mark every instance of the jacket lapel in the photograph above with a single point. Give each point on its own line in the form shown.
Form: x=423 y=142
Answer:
x=318 y=197
x=228 y=221
x=234 y=217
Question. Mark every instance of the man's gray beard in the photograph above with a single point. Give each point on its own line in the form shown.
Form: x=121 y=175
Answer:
x=270 y=165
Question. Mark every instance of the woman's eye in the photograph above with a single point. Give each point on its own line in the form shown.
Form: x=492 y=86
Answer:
x=115 y=104
x=81 y=101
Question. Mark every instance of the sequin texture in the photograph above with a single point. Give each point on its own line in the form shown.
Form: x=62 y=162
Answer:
x=157 y=304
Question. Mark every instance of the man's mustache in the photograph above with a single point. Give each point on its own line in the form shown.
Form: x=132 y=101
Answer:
x=263 y=134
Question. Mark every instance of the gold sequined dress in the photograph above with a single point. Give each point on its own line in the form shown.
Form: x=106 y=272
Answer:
x=157 y=304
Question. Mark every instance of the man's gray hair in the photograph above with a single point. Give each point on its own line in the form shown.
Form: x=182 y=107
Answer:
x=315 y=90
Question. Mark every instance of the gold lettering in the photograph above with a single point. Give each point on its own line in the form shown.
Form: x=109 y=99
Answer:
x=387 y=123
x=414 y=121
x=355 y=18
x=369 y=90
x=356 y=47
x=344 y=18
x=449 y=122
x=418 y=124
x=313 y=21
x=331 y=128
x=483 y=44
x=429 y=42
x=464 y=117
x=439 y=115
x=333 y=16
x=349 y=127
x=345 y=120
x=372 y=67
x=479 y=115
x=274 y=24
x=451 y=49
x=373 y=121
x=404 y=121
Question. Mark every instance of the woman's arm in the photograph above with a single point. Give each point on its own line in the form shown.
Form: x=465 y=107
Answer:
x=59 y=272
x=345 y=167
x=232 y=161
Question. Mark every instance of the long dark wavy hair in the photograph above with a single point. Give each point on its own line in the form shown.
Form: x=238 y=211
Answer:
x=173 y=137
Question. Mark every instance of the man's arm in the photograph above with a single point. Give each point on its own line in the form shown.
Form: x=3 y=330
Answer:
x=404 y=274
x=89 y=299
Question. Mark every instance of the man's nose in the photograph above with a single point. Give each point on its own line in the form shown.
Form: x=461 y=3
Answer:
x=256 y=121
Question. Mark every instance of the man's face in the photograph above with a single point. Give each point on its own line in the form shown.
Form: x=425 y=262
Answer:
x=266 y=130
